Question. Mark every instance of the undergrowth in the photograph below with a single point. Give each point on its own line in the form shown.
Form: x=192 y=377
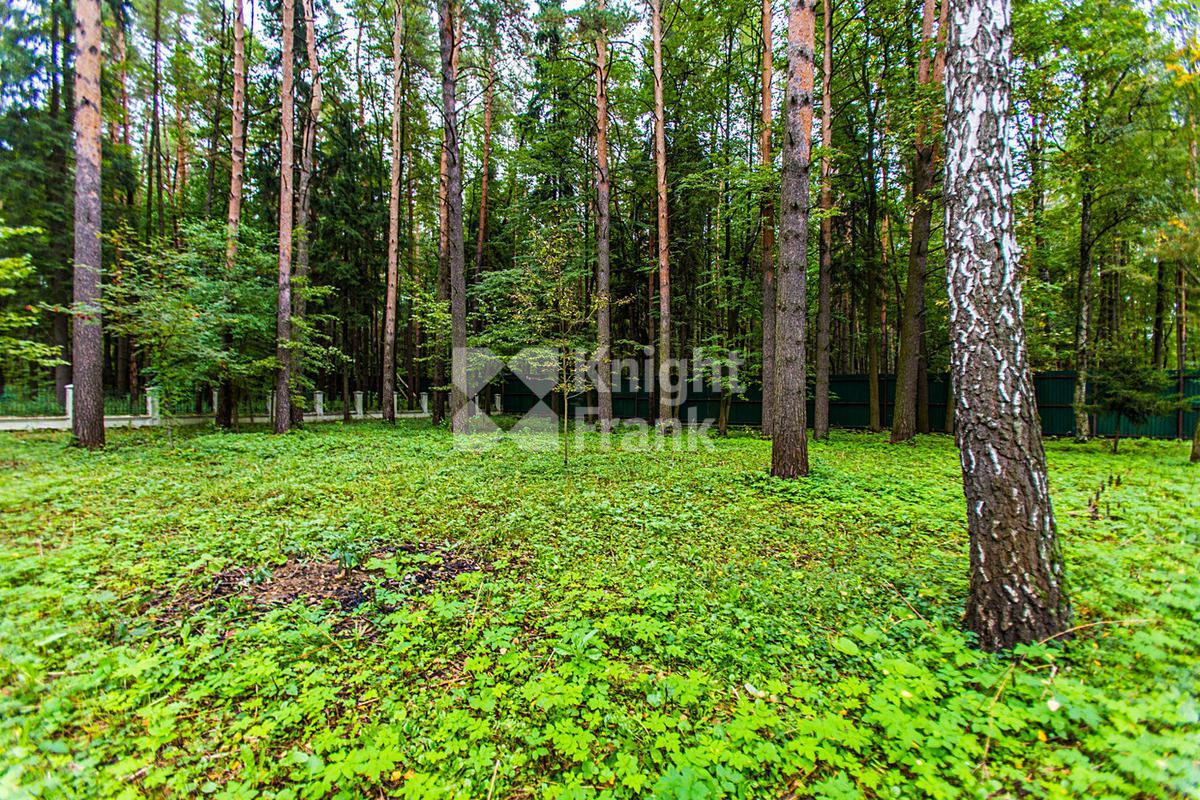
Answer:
x=667 y=623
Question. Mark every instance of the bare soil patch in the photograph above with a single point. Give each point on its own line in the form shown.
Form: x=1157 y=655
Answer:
x=318 y=582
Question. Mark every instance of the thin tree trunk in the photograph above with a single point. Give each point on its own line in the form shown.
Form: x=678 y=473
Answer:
x=767 y=214
x=486 y=165
x=233 y=218
x=912 y=320
x=1158 y=357
x=825 y=269
x=1017 y=592
x=393 y=254
x=603 y=297
x=60 y=100
x=449 y=37
x=87 y=350
x=303 y=195
x=283 y=321
x=666 y=400
x=215 y=139
x=154 y=153
x=1083 y=316
x=1180 y=341
x=789 y=445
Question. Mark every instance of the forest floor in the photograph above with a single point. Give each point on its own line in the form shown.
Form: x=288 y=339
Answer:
x=358 y=610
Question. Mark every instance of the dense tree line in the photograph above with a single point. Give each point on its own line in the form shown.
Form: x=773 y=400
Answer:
x=624 y=181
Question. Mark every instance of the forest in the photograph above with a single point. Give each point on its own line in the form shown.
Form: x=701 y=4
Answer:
x=598 y=398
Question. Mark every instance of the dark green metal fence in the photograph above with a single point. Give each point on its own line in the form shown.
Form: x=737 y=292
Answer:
x=850 y=403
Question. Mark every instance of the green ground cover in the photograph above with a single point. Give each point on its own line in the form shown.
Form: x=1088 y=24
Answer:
x=670 y=623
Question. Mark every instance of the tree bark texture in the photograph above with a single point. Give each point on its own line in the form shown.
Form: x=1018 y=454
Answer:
x=87 y=341
x=767 y=214
x=666 y=404
x=603 y=272
x=912 y=319
x=283 y=319
x=233 y=217
x=454 y=223
x=393 y=254
x=1017 y=593
x=789 y=444
x=825 y=268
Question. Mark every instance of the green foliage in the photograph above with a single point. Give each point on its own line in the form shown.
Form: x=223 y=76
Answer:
x=15 y=272
x=196 y=321
x=642 y=623
x=1130 y=389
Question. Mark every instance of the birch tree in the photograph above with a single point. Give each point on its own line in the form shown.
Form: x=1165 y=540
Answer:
x=1017 y=594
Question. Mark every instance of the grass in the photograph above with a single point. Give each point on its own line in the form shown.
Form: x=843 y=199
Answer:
x=669 y=622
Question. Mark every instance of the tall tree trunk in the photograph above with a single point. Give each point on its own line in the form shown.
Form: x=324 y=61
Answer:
x=283 y=320
x=454 y=222
x=233 y=217
x=1083 y=305
x=215 y=139
x=486 y=162
x=88 y=340
x=442 y=284
x=60 y=100
x=767 y=214
x=1180 y=342
x=1017 y=593
x=912 y=320
x=1158 y=357
x=789 y=445
x=825 y=269
x=393 y=254
x=308 y=148
x=666 y=401
x=154 y=153
x=603 y=297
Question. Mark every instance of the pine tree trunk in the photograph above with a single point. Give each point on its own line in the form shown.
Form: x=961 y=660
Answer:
x=1083 y=306
x=1017 y=593
x=283 y=320
x=825 y=268
x=393 y=255
x=88 y=341
x=912 y=320
x=666 y=400
x=154 y=150
x=233 y=218
x=215 y=138
x=789 y=445
x=486 y=163
x=767 y=214
x=1180 y=341
x=603 y=297
x=449 y=36
x=303 y=195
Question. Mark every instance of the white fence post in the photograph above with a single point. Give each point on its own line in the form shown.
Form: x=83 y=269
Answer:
x=319 y=403
x=358 y=405
x=152 y=405
x=216 y=400
x=70 y=404
x=496 y=404
x=396 y=402
x=271 y=408
x=424 y=402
